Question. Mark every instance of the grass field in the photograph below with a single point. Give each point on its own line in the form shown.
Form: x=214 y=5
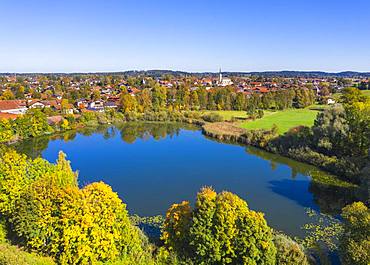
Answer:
x=285 y=120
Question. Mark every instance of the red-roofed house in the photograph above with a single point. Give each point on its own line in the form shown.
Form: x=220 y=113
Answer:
x=13 y=106
x=8 y=116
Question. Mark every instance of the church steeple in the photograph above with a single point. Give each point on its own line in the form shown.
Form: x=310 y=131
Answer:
x=220 y=77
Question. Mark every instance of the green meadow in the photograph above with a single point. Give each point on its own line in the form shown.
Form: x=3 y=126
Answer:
x=285 y=120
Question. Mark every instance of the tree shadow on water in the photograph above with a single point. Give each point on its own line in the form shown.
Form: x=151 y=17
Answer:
x=327 y=199
x=294 y=190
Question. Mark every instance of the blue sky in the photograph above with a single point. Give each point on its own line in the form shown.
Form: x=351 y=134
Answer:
x=190 y=35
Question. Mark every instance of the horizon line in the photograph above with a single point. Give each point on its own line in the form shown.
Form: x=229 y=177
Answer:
x=183 y=71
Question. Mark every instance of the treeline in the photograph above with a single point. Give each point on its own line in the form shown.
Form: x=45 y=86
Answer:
x=35 y=123
x=182 y=98
x=44 y=211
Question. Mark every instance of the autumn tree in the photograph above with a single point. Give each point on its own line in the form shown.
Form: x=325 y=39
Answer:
x=355 y=242
x=6 y=130
x=127 y=102
x=7 y=95
x=221 y=229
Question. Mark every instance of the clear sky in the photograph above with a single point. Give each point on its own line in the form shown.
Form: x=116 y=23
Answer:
x=190 y=35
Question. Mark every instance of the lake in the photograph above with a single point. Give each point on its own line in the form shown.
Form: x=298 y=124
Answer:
x=152 y=166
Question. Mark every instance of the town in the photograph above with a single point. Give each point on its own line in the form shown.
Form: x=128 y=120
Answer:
x=75 y=94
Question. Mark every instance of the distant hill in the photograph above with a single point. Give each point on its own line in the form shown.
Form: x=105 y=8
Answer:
x=158 y=73
x=346 y=74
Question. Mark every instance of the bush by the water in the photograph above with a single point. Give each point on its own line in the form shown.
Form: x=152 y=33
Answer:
x=289 y=252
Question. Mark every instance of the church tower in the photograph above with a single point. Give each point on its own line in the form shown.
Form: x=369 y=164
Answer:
x=220 y=77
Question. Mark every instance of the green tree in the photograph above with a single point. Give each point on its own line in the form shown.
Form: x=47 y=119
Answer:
x=351 y=95
x=355 y=242
x=194 y=100
x=32 y=124
x=219 y=230
x=159 y=97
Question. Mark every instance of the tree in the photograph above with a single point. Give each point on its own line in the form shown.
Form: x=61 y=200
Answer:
x=304 y=97
x=203 y=98
x=16 y=173
x=219 y=230
x=239 y=103
x=194 y=100
x=176 y=228
x=330 y=131
x=358 y=119
x=351 y=95
x=6 y=130
x=355 y=242
x=54 y=217
x=7 y=95
x=127 y=103
x=159 y=97
x=32 y=124
x=64 y=105
x=145 y=100
x=19 y=92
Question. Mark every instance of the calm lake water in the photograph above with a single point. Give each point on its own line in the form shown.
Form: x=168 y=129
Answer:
x=152 y=166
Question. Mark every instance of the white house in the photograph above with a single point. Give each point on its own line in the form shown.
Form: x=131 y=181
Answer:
x=330 y=101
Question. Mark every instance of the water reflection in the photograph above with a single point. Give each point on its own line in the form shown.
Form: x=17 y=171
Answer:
x=129 y=133
x=329 y=198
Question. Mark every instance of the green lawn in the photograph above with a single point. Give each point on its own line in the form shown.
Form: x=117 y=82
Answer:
x=285 y=120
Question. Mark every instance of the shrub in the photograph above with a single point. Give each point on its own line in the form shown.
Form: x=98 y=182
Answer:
x=212 y=117
x=289 y=252
x=219 y=230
